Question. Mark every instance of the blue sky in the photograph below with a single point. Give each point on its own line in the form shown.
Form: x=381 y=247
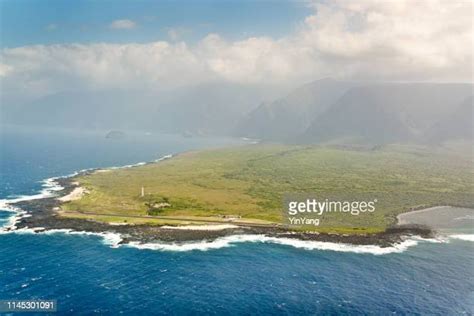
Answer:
x=28 y=22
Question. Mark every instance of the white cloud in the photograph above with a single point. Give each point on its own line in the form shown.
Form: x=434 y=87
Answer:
x=124 y=24
x=427 y=40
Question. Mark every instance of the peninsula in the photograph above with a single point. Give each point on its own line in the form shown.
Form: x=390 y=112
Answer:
x=212 y=193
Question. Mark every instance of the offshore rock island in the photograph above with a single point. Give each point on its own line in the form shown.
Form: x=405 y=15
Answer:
x=209 y=194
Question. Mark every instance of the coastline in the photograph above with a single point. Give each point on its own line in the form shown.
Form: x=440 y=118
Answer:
x=439 y=217
x=40 y=214
x=403 y=218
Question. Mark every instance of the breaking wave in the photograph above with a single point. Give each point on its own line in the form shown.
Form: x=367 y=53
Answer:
x=465 y=237
x=229 y=241
x=114 y=240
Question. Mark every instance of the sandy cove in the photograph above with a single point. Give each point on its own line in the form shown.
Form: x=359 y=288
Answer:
x=74 y=195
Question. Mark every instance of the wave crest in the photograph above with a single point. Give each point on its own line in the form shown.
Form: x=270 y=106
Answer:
x=229 y=241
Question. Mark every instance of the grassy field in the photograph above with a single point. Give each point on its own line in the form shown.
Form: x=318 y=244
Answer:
x=249 y=181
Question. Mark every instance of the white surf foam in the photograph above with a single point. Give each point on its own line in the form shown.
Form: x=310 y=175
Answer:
x=49 y=188
x=126 y=166
x=114 y=241
x=142 y=163
x=108 y=238
x=465 y=237
x=229 y=241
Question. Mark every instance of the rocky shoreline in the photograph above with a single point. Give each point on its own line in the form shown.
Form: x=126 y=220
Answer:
x=41 y=215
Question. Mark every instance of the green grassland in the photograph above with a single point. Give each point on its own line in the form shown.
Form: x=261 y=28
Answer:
x=250 y=181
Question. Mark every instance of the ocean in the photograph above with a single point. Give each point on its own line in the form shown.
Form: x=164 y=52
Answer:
x=239 y=275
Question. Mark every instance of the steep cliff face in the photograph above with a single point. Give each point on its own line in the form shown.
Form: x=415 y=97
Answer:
x=334 y=111
x=290 y=116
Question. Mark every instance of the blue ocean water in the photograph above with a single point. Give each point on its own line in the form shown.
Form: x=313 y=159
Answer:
x=87 y=276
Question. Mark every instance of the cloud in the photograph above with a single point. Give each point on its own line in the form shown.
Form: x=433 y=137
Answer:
x=124 y=24
x=422 y=40
x=365 y=40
